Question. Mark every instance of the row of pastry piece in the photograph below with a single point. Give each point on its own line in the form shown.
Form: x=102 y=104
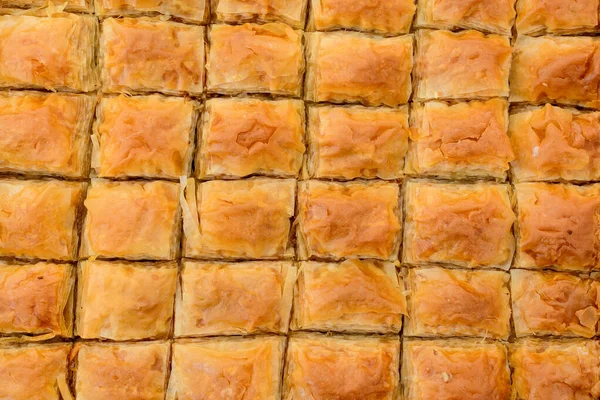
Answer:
x=311 y=367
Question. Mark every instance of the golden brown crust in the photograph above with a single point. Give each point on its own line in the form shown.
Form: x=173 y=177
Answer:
x=86 y=6
x=536 y=17
x=195 y=11
x=291 y=12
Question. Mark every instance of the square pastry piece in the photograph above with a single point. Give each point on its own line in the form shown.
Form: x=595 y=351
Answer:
x=221 y=368
x=291 y=12
x=27 y=61
x=356 y=142
x=34 y=372
x=538 y=17
x=457 y=141
x=552 y=303
x=390 y=17
x=125 y=301
x=193 y=11
x=349 y=67
x=38 y=219
x=561 y=369
x=253 y=58
x=249 y=219
x=556 y=69
x=455 y=369
x=108 y=371
x=341 y=367
x=45 y=134
x=242 y=137
x=495 y=16
x=340 y=220
x=354 y=296
x=133 y=220
x=552 y=143
x=453 y=302
x=460 y=65
x=234 y=298
x=151 y=55
x=468 y=225
x=558 y=226
x=145 y=136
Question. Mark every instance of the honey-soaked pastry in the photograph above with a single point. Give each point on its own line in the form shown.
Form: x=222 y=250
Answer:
x=452 y=302
x=291 y=12
x=553 y=370
x=234 y=298
x=350 y=67
x=28 y=62
x=34 y=372
x=194 y=11
x=125 y=301
x=455 y=369
x=388 y=17
x=460 y=65
x=553 y=143
x=558 y=226
x=552 y=303
x=86 y=6
x=242 y=137
x=537 y=17
x=564 y=70
x=495 y=16
x=246 y=219
x=148 y=55
x=38 y=219
x=253 y=58
x=230 y=368
x=462 y=140
x=133 y=220
x=354 y=296
x=36 y=299
x=356 y=142
x=468 y=225
x=45 y=134
x=341 y=367
x=106 y=371
x=144 y=136
x=355 y=219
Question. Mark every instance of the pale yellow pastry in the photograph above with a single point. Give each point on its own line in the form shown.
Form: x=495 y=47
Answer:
x=125 y=301
x=350 y=67
x=234 y=298
x=246 y=136
x=85 y=6
x=537 y=17
x=356 y=142
x=291 y=12
x=194 y=11
x=462 y=140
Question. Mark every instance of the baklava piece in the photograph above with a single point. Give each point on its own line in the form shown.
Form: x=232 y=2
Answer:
x=125 y=301
x=558 y=226
x=342 y=367
x=236 y=368
x=234 y=298
x=194 y=11
x=145 y=137
x=455 y=369
x=460 y=65
x=564 y=70
x=147 y=55
x=390 y=17
x=38 y=219
x=85 y=6
x=345 y=220
x=45 y=134
x=356 y=142
x=107 y=371
x=354 y=296
x=350 y=67
x=133 y=220
x=538 y=17
x=291 y=12
x=553 y=370
x=242 y=137
x=452 y=302
x=247 y=219
x=457 y=141
x=468 y=225
x=36 y=299
x=553 y=144
x=253 y=58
